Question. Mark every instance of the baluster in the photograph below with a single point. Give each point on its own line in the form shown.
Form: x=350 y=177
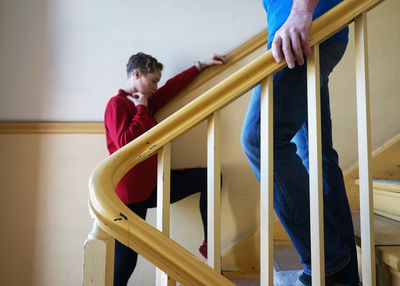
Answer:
x=214 y=191
x=98 y=258
x=266 y=174
x=315 y=168
x=163 y=203
x=364 y=152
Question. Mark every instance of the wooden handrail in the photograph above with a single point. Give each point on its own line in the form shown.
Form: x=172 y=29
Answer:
x=118 y=221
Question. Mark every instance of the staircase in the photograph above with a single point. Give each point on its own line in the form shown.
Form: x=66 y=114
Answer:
x=386 y=194
x=112 y=219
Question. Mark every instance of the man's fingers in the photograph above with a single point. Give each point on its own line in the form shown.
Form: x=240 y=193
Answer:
x=305 y=43
x=287 y=51
x=277 y=48
x=296 y=48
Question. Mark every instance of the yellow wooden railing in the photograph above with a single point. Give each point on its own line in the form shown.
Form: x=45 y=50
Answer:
x=114 y=220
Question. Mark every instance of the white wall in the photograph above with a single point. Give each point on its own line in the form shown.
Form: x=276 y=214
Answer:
x=383 y=46
x=44 y=206
x=62 y=60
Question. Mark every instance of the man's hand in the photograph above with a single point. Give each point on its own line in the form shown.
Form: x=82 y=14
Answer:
x=138 y=99
x=291 y=40
x=214 y=60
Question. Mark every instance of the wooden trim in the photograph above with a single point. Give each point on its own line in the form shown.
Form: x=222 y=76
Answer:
x=236 y=55
x=51 y=127
x=232 y=59
x=376 y=153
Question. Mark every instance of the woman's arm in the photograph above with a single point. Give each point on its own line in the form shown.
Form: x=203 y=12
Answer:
x=174 y=85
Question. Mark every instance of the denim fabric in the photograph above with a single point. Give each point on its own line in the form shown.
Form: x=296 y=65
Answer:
x=291 y=181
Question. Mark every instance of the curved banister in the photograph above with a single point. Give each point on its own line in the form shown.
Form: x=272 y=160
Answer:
x=118 y=221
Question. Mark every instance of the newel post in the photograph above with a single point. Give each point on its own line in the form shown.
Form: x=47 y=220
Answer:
x=98 y=258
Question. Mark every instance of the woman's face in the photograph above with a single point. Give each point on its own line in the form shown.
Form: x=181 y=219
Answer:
x=147 y=83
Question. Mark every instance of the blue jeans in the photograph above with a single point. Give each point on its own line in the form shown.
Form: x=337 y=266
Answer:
x=291 y=181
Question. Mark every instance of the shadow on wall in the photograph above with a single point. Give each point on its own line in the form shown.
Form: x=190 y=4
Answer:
x=23 y=86
x=240 y=204
x=19 y=183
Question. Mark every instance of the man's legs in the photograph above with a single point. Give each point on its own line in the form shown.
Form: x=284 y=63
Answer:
x=335 y=200
x=291 y=194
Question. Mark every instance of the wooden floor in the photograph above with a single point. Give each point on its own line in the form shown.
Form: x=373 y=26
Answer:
x=287 y=269
x=282 y=278
x=387 y=231
x=246 y=282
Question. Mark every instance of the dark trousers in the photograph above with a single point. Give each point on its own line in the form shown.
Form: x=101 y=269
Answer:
x=184 y=183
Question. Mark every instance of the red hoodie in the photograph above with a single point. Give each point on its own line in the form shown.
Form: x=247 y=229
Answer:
x=124 y=122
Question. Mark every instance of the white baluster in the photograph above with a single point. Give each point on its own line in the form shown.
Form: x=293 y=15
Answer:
x=364 y=152
x=267 y=184
x=315 y=168
x=163 y=203
x=214 y=191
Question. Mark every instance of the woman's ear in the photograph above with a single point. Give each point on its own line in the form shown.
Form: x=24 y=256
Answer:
x=137 y=73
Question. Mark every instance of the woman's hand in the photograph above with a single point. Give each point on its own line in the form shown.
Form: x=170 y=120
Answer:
x=214 y=60
x=138 y=99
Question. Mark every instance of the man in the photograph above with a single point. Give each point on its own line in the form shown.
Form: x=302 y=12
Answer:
x=288 y=26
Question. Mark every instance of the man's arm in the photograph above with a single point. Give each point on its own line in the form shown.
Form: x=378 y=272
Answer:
x=291 y=40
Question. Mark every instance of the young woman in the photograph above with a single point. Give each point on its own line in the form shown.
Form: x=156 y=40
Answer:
x=128 y=115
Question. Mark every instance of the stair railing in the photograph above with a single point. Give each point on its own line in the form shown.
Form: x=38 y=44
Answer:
x=114 y=220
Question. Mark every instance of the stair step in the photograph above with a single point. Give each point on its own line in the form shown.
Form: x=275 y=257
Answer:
x=282 y=278
x=287 y=269
x=287 y=266
x=286 y=258
x=387 y=204
x=387 y=185
x=390 y=255
x=387 y=231
x=386 y=196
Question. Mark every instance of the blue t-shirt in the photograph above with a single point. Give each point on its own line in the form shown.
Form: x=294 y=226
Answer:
x=278 y=11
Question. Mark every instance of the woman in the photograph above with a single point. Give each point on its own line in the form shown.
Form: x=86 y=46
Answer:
x=128 y=115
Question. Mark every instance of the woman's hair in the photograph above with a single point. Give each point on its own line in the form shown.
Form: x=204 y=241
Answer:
x=145 y=63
